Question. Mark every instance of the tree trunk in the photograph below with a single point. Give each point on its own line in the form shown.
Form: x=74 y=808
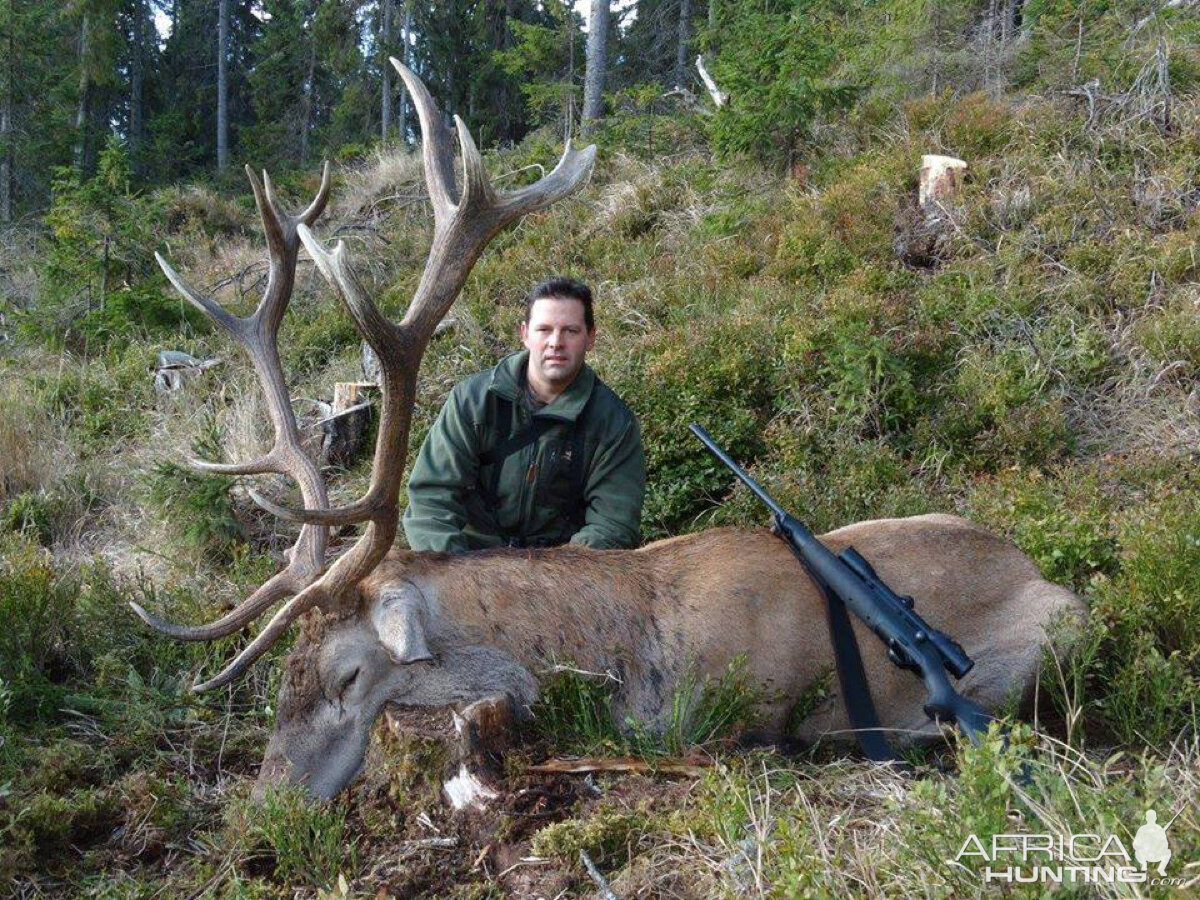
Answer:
x=569 y=96
x=136 y=80
x=306 y=125
x=83 y=112
x=385 y=46
x=222 y=85
x=681 y=49
x=8 y=73
x=597 y=60
x=407 y=62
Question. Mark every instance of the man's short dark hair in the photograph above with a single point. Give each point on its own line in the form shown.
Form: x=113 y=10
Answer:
x=559 y=288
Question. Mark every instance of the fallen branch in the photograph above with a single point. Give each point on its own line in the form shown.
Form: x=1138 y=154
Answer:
x=555 y=669
x=618 y=764
x=719 y=97
x=596 y=876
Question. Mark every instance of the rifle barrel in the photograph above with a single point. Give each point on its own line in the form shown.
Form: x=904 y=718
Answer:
x=706 y=439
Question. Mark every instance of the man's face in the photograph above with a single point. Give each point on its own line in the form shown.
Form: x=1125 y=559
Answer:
x=557 y=338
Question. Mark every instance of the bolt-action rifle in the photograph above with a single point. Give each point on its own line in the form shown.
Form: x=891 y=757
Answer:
x=847 y=578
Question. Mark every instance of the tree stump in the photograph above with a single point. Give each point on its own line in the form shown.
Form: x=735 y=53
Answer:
x=345 y=428
x=941 y=177
x=478 y=735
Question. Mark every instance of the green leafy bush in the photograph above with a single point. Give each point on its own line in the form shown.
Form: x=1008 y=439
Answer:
x=199 y=507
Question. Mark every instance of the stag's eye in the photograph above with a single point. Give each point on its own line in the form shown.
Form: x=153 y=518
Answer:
x=347 y=681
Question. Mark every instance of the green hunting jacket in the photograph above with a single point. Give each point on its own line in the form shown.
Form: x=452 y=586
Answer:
x=534 y=500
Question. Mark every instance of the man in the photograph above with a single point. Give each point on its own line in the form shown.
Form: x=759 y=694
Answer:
x=535 y=452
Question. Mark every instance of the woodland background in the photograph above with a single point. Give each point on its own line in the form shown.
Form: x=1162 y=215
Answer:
x=1029 y=360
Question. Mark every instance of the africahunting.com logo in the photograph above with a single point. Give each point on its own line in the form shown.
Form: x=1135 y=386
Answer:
x=1073 y=858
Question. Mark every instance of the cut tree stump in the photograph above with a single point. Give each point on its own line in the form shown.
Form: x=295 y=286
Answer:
x=941 y=177
x=345 y=428
x=478 y=734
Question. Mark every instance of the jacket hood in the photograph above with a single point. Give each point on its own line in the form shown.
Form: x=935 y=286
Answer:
x=508 y=381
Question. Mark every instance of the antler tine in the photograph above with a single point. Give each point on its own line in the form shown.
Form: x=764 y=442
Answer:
x=352 y=514
x=436 y=150
x=215 y=312
x=313 y=211
x=272 y=631
x=572 y=170
x=282 y=584
x=375 y=327
x=477 y=188
x=268 y=214
x=261 y=466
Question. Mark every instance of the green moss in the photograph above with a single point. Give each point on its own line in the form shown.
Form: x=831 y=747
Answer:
x=608 y=834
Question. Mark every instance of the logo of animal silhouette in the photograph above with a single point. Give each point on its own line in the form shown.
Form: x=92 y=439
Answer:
x=1150 y=843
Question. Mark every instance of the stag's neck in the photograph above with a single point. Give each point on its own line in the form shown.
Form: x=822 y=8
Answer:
x=590 y=609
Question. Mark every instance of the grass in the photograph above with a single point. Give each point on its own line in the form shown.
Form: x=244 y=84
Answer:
x=574 y=712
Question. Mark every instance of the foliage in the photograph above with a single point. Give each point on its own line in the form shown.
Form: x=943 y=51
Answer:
x=307 y=839
x=100 y=281
x=542 y=59
x=605 y=834
x=575 y=709
x=199 y=506
x=775 y=63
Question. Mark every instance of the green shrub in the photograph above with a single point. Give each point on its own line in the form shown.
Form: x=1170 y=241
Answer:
x=575 y=712
x=199 y=506
x=33 y=515
x=1135 y=672
x=1063 y=519
x=717 y=375
x=978 y=126
x=308 y=840
x=775 y=64
x=705 y=712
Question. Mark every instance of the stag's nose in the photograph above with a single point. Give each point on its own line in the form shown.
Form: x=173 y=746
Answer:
x=273 y=772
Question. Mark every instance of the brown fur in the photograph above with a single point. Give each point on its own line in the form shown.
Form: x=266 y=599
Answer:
x=649 y=614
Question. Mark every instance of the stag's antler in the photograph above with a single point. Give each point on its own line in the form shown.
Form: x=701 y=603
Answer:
x=464 y=222
x=258 y=336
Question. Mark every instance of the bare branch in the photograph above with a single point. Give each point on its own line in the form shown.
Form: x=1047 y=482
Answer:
x=719 y=97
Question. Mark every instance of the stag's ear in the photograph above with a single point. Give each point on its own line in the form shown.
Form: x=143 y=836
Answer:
x=399 y=618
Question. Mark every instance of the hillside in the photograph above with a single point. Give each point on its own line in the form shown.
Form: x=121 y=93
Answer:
x=1030 y=363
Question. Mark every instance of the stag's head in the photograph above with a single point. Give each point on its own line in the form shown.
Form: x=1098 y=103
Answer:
x=361 y=649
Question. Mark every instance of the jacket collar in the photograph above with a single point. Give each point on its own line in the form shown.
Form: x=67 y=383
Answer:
x=508 y=381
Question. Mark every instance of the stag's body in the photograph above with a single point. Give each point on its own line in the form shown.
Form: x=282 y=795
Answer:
x=436 y=629
x=690 y=605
